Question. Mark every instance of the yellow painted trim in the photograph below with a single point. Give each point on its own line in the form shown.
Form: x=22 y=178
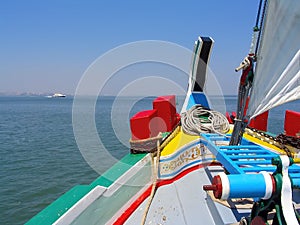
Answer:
x=263 y=143
x=182 y=139
x=260 y=142
x=177 y=142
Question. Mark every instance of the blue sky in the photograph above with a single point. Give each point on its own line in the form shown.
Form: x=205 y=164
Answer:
x=47 y=45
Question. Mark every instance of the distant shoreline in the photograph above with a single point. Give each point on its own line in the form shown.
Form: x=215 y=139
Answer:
x=72 y=95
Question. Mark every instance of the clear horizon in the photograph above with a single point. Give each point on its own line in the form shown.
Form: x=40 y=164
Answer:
x=47 y=46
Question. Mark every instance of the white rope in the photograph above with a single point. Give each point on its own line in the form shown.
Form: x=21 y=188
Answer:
x=286 y=194
x=194 y=121
x=155 y=169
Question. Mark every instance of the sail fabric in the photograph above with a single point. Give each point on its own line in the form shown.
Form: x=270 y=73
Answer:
x=277 y=73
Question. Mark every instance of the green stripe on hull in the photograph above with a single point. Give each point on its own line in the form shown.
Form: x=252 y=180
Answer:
x=117 y=170
x=57 y=208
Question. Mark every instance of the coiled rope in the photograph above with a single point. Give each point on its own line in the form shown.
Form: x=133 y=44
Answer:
x=202 y=120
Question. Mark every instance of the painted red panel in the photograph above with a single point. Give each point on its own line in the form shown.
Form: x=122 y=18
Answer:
x=144 y=125
x=260 y=122
x=166 y=110
x=292 y=123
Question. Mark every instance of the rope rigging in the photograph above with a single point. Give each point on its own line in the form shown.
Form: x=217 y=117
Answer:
x=245 y=86
x=261 y=23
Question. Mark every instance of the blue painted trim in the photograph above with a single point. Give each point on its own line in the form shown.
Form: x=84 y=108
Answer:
x=197 y=98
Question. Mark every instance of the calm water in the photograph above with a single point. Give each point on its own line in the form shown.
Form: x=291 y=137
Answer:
x=39 y=158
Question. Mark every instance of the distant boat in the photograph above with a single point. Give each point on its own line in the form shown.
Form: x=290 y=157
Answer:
x=56 y=95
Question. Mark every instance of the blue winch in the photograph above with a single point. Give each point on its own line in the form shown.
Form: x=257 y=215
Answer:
x=259 y=185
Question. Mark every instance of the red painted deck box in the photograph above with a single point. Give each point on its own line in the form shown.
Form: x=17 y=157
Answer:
x=292 y=123
x=144 y=125
x=260 y=122
x=166 y=110
x=228 y=116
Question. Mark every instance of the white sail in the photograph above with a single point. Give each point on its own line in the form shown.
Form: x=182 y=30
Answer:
x=277 y=73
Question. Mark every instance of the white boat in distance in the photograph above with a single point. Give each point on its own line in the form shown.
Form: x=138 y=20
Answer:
x=56 y=95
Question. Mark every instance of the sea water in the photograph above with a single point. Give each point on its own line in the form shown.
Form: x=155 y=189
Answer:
x=39 y=157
